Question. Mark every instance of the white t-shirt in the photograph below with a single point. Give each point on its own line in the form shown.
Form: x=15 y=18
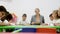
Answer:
x=56 y=21
x=22 y=22
x=50 y=23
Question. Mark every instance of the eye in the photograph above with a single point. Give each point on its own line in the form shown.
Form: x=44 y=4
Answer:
x=3 y=13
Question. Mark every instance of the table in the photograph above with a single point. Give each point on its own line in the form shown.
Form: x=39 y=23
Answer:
x=30 y=26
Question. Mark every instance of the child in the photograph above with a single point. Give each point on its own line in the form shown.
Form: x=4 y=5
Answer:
x=23 y=22
x=56 y=20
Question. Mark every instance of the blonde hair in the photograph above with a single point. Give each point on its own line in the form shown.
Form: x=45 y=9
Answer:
x=56 y=12
x=37 y=9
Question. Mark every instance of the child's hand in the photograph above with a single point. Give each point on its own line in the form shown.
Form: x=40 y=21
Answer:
x=57 y=24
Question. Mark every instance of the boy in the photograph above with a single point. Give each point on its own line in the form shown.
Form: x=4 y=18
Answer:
x=23 y=21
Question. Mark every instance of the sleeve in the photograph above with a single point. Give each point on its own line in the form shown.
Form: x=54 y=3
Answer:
x=18 y=21
x=31 y=20
x=27 y=22
x=58 y=21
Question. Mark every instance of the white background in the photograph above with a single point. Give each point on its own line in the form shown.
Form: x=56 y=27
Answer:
x=20 y=7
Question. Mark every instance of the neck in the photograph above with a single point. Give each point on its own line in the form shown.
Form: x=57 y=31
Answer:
x=37 y=14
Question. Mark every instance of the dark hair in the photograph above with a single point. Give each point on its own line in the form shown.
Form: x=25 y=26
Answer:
x=50 y=15
x=2 y=8
x=58 y=16
x=7 y=16
x=25 y=15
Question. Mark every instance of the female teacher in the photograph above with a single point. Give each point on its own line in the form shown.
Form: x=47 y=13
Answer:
x=37 y=19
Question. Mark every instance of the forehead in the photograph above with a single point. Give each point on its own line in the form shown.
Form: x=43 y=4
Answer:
x=23 y=16
x=0 y=12
x=37 y=9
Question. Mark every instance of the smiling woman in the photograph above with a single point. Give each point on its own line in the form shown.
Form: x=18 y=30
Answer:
x=37 y=19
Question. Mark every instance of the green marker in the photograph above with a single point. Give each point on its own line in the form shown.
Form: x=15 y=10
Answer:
x=16 y=31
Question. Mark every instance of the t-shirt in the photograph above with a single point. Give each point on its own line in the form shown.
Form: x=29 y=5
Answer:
x=23 y=22
x=56 y=21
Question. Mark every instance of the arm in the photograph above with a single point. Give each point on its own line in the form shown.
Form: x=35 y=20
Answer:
x=32 y=21
x=43 y=21
x=57 y=24
x=11 y=23
x=9 y=18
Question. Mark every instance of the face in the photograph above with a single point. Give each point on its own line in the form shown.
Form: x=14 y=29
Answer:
x=1 y=14
x=24 y=18
x=54 y=15
x=37 y=11
x=51 y=18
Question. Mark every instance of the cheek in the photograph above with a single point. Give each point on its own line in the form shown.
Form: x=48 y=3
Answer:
x=52 y=15
x=58 y=13
x=24 y=17
x=37 y=12
x=0 y=15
